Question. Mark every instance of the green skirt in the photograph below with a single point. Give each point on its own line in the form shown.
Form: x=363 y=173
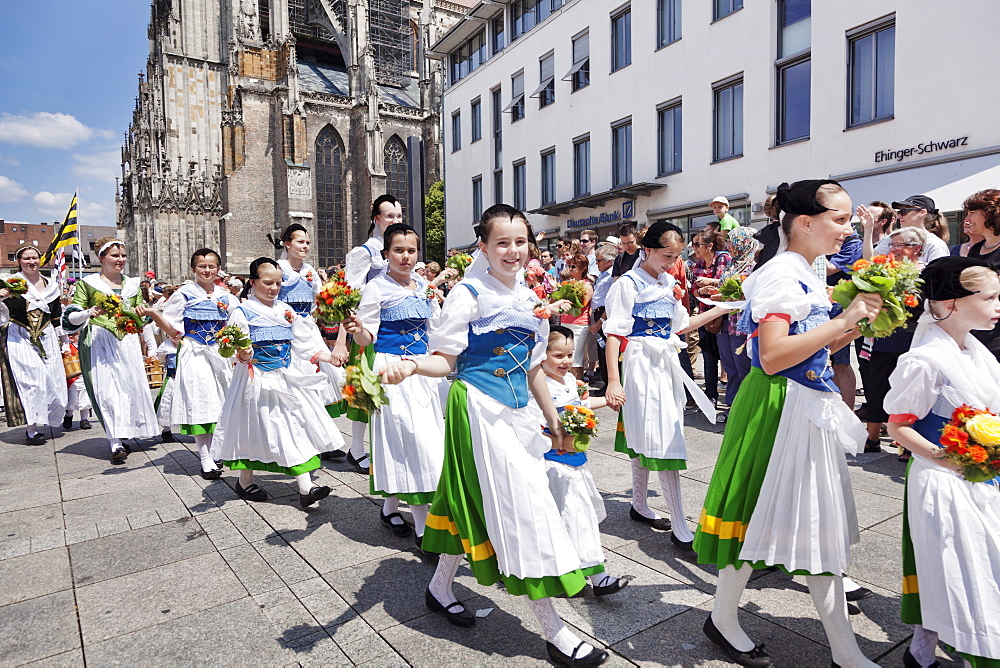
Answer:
x=739 y=472
x=198 y=429
x=414 y=499
x=252 y=465
x=456 y=523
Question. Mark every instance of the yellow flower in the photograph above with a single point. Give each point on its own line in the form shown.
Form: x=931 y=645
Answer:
x=985 y=428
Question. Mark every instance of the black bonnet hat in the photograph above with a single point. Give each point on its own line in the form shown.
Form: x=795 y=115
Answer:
x=941 y=277
x=651 y=238
x=799 y=199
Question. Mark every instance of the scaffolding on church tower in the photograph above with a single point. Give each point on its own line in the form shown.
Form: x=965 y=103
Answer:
x=391 y=39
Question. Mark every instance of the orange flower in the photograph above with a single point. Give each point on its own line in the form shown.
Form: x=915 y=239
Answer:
x=860 y=264
x=965 y=412
x=954 y=439
x=590 y=423
x=880 y=259
x=349 y=392
x=678 y=292
x=540 y=312
x=977 y=453
x=911 y=301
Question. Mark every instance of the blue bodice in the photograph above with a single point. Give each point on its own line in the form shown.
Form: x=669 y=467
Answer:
x=403 y=327
x=815 y=371
x=203 y=318
x=272 y=347
x=652 y=318
x=300 y=295
x=497 y=363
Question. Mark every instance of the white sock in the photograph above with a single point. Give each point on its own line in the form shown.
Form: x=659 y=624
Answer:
x=444 y=577
x=670 y=482
x=419 y=517
x=923 y=647
x=602 y=579
x=204 y=443
x=116 y=444
x=828 y=596
x=84 y=413
x=390 y=506
x=246 y=478
x=850 y=585
x=69 y=413
x=640 y=487
x=358 y=430
x=555 y=631
x=32 y=430
x=725 y=610
x=305 y=482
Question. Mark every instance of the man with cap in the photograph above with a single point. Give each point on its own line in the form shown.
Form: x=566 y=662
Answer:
x=720 y=206
x=912 y=212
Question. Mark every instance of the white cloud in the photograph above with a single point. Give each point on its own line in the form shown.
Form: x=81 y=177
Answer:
x=9 y=160
x=101 y=166
x=46 y=130
x=11 y=190
x=53 y=206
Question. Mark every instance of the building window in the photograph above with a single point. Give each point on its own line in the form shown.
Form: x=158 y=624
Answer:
x=579 y=74
x=476 y=118
x=469 y=56
x=621 y=39
x=794 y=70
x=396 y=178
x=581 y=166
x=497 y=128
x=728 y=115
x=723 y=8
x=516 y=106
x=794 y=27
x=549 y=176
x=498 y=33
x=546 y=91
x=668 y=22
x=526 y=14
x=668 y=134
x=621 y=153
x=498 y=186
x=477 y=197
x=456 y=131
x=331 y=223
x=871 y=81
x=520 y=186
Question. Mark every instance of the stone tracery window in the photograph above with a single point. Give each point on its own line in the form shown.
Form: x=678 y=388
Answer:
x=396 y=181
x=331 y=226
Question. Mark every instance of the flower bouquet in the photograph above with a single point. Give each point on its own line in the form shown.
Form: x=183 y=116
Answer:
x=580 y=423
x=336 y=301
x=125 y=320
x=16 y=285
x=573 y=291
x=230 y=339
x=898 y=281
x=582 y=389
x=459 y=263
x=972 y=440
x=731 y=289
x=363 y=388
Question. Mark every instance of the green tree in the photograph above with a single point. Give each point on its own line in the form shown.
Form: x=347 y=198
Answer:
x=434 y=223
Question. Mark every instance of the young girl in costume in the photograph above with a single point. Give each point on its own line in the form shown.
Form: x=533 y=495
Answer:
x=950 y=583
x=407 y=434
x=272 y=418
x=572 y=486
x=33 y=348
x=493 y=502
x=299 y=285
x=781 y=493
x=112 y=360
x=192 y=317
x=76 y=394
x=644 y=309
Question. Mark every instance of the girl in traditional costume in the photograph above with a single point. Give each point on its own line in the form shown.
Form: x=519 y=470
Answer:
x=111 y=357
x=493 y=502
x=33 y=348
x=781 y=494
x=951 y=543
x=407 y=434
x=272 y=418
x=192 y=317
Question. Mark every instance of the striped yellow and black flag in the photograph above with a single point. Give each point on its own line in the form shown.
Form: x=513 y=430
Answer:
x=66 y=235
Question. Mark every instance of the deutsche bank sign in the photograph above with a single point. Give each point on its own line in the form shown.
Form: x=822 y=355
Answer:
x=604 y=218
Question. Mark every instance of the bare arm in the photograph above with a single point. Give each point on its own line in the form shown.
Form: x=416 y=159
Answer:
x=910 y=438
x=539 y=389
x=161 y=322
x=867 y=232
x=703 y=319
x=437 y=365
x=353 y=325
x=614 y=394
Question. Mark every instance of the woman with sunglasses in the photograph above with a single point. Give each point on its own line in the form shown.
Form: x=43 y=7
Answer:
x=577 y=265
x=710 y=262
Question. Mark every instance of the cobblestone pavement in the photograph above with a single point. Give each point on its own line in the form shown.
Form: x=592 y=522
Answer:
x=147 y=563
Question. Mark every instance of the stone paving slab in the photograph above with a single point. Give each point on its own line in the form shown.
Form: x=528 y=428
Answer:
x=148 y=564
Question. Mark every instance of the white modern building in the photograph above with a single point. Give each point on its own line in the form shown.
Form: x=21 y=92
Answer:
x=590 y=113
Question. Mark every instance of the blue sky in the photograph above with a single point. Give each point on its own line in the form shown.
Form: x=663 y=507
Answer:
x=68 y=79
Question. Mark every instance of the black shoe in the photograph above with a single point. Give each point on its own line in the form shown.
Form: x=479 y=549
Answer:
x=431 y=557
x=119 y=457
x=251 y=493
x=595 y=658
x=403 y=529
x=315 y=494
x=356 y=463
x=37 y=439
x=127 y=448
x=85 y=424
x=68 y=422
x=660 y=523
x=873 y=445
x=860 y=594
x=332 y=454
x=614 y=587
x=455 y=612
x=755 y=658
x=167 y=437
x=686 y=545
x=214 y=474
x=910 y=661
